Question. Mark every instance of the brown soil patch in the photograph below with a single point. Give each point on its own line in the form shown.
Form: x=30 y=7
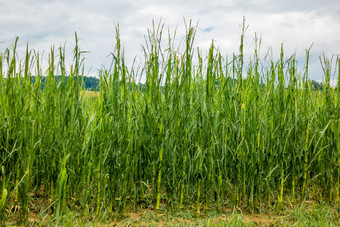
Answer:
x=40 y=204
x=149 y=217
x=259 y=219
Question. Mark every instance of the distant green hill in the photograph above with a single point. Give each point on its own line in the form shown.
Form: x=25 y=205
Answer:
x=90 y=83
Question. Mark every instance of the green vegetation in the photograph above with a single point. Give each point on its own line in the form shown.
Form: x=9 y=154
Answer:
x=211 y=135
x=87 y=82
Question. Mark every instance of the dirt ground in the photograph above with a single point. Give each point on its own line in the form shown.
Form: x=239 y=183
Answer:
x=42 y=214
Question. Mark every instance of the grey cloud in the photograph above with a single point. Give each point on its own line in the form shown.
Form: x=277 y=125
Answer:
x=295 y=23
x=286 y=6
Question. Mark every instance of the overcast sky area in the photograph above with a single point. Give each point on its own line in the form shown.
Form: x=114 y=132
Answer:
x=296 y=24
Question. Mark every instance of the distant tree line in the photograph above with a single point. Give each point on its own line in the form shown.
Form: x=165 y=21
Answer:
x=89 y=83
x=316 y=85
x=93 y=83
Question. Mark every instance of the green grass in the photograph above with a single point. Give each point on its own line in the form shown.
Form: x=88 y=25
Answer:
x=216 y=134
x=305 y=214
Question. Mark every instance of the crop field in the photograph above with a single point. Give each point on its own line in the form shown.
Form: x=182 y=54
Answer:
x=203 y=133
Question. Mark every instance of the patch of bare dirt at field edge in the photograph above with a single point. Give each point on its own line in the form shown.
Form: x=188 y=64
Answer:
x=259 y=219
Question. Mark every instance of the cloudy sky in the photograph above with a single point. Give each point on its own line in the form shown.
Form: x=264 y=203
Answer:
x=296 y=24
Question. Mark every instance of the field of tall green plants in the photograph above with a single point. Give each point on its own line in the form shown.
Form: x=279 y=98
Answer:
x=203 y=131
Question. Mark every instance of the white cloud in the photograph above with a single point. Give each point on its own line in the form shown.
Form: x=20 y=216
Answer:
x=297 y=24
